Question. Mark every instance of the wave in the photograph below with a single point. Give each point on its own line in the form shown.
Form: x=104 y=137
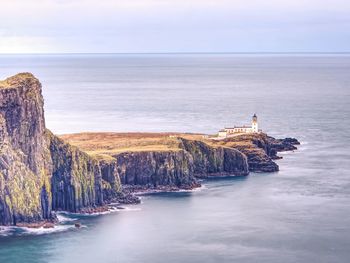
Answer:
x=6 y=230
x=62 y=219
x=42 y=231
x=14 y=230
x=198 y=189
x=142 y=194
x=112 y=208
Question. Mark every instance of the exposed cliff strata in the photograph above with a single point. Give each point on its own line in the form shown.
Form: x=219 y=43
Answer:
x=38 y=171
x=76 y=178
x=180 y=168
x=160 y=160
x=41 y=173
x=214 y=161
x=25 y=170
x=156 y=169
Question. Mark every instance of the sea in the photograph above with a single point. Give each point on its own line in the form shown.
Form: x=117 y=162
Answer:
x=299 y=214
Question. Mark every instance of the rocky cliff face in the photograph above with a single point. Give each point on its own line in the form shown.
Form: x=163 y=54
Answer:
x=76 y=178
x=260 y=149
x=178 y=169
x=173 y=168
x=38 y=171
x=215 y=161
x=25 y=168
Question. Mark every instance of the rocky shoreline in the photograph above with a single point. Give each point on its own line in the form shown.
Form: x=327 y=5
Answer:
x=41 y=173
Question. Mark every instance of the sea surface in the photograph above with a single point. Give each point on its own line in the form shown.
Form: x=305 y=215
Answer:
x=300 y=214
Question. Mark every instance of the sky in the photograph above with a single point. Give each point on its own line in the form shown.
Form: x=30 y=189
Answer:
x=161 y=26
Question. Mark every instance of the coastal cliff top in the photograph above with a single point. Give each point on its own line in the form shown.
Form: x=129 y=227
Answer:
x=103 y=145
x=16 y=80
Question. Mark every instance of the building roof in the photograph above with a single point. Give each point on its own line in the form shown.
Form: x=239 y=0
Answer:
x=240 y=127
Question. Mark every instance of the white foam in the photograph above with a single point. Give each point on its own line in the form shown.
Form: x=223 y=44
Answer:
x=61 y=218
x=6 y=230
x=14 y=230
x=42 y=230
x=10 y=230
x=111 y=209
x=156 y=191
x=82 y=214
x=116 y=209
x=197 y=189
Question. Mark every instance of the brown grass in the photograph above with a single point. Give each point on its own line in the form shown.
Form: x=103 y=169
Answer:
x=108 y=144
x=11 y=81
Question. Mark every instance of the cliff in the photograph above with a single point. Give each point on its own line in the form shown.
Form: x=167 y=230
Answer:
x=160 y=160
x=38 y=171
x=25 y=168
x=176 y=159
x=173 y=169
x=41 y=173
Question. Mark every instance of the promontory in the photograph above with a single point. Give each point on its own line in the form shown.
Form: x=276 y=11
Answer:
x=41 y=173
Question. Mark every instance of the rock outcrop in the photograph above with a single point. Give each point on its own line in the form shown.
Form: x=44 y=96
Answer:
x=260 y=149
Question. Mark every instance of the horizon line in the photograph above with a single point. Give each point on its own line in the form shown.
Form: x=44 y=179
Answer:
x=180 y=53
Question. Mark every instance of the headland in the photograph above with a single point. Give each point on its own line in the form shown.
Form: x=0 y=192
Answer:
x=41 y=173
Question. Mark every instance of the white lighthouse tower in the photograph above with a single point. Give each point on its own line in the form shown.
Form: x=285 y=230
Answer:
x=255 y=123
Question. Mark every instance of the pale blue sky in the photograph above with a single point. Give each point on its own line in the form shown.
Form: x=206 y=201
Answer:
x=116 y=26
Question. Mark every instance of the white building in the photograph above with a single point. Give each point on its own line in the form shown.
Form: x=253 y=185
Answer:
x=240 y=129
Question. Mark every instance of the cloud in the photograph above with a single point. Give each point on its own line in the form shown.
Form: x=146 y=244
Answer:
x=173 y=25
x=26 y=44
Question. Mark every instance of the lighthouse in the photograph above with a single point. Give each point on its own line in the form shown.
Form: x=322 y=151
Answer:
x=253 y=128
x=255 y=123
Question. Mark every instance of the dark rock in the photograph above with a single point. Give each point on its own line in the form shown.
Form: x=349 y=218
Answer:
x=260 y=149
x=76 y=178
x=281 y=145
x=127 y=198
x=215 y=161
x=156 y=168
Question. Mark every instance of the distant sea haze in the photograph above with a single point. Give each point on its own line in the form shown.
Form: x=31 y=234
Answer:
x=300 y=214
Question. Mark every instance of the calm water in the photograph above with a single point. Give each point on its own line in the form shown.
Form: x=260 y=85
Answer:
x=300 y=214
